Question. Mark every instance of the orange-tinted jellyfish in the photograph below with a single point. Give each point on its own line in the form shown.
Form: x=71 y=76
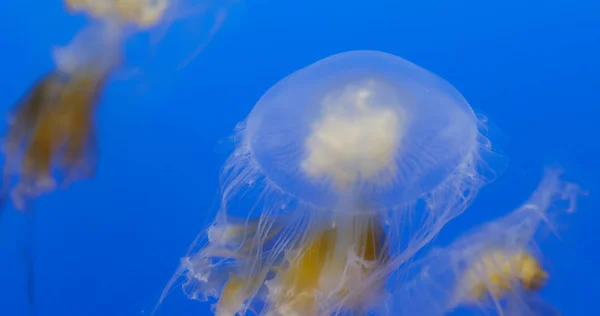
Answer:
x=52 y=134
x=51 y=138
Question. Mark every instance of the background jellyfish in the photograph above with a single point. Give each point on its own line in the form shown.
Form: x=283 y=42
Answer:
x=51 y=138
x=495 y=268
x=53 y=124
x=201 y=22
x=342 y=172
x=51 y=135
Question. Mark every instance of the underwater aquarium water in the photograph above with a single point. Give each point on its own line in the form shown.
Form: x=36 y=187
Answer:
x=160 y=131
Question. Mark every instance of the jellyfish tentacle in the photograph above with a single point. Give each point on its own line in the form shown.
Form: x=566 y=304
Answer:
x=29 y=256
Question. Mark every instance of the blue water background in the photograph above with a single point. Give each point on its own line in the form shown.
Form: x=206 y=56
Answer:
x=107 y=246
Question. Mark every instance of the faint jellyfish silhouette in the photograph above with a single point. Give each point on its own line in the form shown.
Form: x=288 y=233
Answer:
x=51 y=138
x=53 y=125
x=51 y=135
x=192 y=25
x=495 y=268
x=342 y=172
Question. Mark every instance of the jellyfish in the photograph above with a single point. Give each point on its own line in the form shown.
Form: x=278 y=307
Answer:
x=342 y=171
x=497 y=267
x=51 y=137
x=201 y=21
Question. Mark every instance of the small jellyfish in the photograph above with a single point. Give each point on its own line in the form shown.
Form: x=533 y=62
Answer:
x=495 y=268
x=51 y=136
x=341 y=173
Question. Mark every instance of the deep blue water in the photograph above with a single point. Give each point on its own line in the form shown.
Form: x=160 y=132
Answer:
x=109 y=245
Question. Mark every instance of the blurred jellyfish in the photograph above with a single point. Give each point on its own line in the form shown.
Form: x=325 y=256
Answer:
x=494 y=269
x=51 y=136
x=203 y=20
x=140 y=13
x=342 y=172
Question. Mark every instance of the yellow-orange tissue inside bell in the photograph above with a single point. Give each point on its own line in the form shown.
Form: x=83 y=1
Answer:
x=322 y=275
x=236 y=291
x=51 y=137
x=498 y=272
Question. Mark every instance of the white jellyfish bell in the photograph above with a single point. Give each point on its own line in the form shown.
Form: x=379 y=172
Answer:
x=342 y=172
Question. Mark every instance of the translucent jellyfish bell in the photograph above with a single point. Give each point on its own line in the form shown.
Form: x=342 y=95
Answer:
x=366 y=131
x=495 y=268
x=359 y=159
x=369 y=123
x=194 y=22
